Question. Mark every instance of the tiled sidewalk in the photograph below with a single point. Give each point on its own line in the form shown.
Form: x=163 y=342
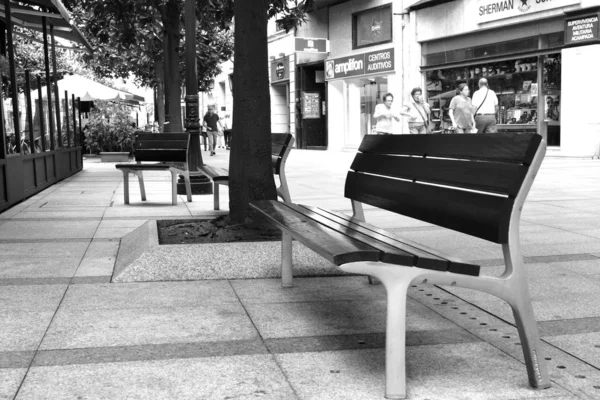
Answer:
x=67 y=333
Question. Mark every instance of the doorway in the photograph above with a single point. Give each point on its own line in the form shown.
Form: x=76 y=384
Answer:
x=311 y=107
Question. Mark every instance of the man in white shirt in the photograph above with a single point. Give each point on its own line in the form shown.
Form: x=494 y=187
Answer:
x=485 y=102
x=384 y=115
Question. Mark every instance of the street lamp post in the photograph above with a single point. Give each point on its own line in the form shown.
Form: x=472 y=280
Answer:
x=200 y=184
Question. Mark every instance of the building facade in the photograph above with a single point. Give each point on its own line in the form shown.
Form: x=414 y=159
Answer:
x=533 y=53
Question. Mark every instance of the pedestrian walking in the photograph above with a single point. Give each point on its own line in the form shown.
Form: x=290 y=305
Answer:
x=461 y=111
x=486 y=103
x=418 y=113
x=385 y=115
x=227 y=123
x=213 y=127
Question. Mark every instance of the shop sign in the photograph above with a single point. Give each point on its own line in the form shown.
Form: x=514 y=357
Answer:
x=492 y=10
x=280 y=70
x=582 y=30
x=373 y=62
x=312 y=45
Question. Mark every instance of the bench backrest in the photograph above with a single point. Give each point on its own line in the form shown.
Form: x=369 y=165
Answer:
x=463 y=182
x=281 y=144
x=163 y=147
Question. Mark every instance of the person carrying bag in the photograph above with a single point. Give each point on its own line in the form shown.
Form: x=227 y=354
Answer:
x=417 y=113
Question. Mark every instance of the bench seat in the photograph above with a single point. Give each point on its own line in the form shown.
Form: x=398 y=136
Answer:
x=147 y=167
x=342 y=239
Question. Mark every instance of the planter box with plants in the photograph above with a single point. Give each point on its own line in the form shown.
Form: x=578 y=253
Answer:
x=110 y=132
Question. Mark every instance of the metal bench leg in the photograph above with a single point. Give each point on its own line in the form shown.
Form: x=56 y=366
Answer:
x=286 y=260
x=174 y=187
x=188 y=186
x=216 y=195
x=126 y=186
x=520 y=303
x=396 y=280
x=283 y=190
x=140 y=176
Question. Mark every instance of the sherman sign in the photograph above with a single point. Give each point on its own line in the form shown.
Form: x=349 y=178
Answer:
x=373 y=62
x=492 y=10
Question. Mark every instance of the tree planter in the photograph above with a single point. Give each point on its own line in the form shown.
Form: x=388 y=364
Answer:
x=114 y=156
x=141 y=259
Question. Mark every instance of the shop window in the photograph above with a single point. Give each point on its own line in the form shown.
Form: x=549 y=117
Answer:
x=363 y=95
x=372 y=27
x=524 y=103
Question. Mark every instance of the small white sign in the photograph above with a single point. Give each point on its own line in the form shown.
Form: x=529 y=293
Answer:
x=492 y=10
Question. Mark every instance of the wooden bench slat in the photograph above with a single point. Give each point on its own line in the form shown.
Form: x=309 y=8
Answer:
x=477 y=214
x=494 y=177
x=147 y=136
x=390 y=253
x=276 y=163
x=161 y=155
x=513 y=147
x=214 y=173
x=329 y=243
x=423 y=259
x=160 y=144
x=428 y=256
x=157 y=166
x=280 y=139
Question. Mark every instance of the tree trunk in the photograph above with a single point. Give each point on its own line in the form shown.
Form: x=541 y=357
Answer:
x=172 y=38
x=250 y=171
x=160 y=93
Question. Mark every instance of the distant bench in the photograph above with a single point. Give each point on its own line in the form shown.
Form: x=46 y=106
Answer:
x=167 y=152
x=474 y=184
x=281 y=145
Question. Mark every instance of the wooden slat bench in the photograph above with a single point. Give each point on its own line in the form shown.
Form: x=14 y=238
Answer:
x=281 y=145
x=473 y=184
x=167 y=152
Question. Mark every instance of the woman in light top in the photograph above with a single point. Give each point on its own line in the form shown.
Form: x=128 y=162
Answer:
x=461 y=110
x=417 y=112
x=385 y=116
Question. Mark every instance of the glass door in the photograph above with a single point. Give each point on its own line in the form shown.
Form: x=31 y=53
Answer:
x=362 y=95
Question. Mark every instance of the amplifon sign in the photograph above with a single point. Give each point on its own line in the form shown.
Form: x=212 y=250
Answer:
x=373 y=62
x=492 y=10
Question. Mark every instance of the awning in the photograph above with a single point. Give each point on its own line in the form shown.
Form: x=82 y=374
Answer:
x=28 y=14
x=89 y=90
x=425 y=4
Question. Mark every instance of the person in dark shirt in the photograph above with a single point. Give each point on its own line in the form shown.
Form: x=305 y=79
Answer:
x=213 y=127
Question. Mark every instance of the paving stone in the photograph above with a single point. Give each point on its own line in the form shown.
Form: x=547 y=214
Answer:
x=449 y=372
x=25 y=267
x=44 y=250
x=149 y=295
x=10 y=380
x=279 y=320
x=238 y=377
x=48 y=229
x=23 y=331
x=133 y=326
x=258 y=291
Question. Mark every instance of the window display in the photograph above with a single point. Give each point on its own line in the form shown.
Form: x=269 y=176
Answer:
x=516 y=85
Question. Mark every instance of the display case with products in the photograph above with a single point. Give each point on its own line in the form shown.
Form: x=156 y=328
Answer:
x=515 y=83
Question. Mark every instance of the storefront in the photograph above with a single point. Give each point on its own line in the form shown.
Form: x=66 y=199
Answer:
x=358 y=78
x=523 y=50
x=364 y=79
